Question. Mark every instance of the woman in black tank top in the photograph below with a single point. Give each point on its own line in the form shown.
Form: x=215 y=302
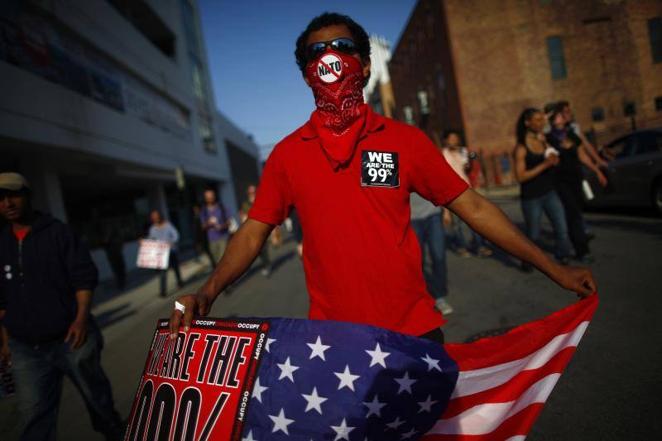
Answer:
x=535 y=164
x=568 y=180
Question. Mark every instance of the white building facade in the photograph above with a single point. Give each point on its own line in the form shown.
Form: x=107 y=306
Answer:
x=378 y=93
x=107 y=108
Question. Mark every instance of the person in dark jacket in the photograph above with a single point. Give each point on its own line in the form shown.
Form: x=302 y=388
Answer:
x=568 y=180
x=46 y=283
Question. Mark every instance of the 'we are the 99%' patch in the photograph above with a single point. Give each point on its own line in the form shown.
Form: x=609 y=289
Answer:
x=379 y=169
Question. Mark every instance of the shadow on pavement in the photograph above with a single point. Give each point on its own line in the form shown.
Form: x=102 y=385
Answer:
x=646 y=212
x=628 y=225
x=114 y=315
x=488 y=333
x=107 y=289
x=275 y=264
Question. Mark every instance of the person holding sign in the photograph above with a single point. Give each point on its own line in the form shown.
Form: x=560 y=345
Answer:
x=164 y=231
x=349 y=173
x=46 y=281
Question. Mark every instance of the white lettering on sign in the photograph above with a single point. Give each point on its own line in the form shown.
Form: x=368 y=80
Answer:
x=379 y=169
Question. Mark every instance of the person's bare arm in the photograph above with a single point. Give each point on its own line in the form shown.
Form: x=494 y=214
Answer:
x=582 y=153
x=592 y=152
x=490 y=222
x=240 y=253
x=522 y=174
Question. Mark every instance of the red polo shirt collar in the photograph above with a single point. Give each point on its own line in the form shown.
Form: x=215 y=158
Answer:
x=374 y=123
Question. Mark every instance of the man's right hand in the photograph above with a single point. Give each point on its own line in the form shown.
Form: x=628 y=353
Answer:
x=239 y=254
x=194 y=305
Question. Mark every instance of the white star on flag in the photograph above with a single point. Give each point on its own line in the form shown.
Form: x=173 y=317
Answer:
x=280 y=422
x=317 y=349
x=374 y=407
x=347 y=379
x=377 y=356
x=405 y=383
x=249 y=437
x=258 y=389
x=269 y=341
x=287 y=369
x=342 y=431
x=432 y=363
x=409 y=434
x=395 y=424
x=426 y=406
x=314 y=401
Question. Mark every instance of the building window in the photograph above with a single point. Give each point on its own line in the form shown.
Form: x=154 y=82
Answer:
x=629 y=108
x=598 y=114
x=655 y=34
x=198 y=81
x=658 y=103
x=148 y=23
x=556 y=57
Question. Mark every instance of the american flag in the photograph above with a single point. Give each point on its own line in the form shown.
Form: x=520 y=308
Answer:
x=325 y=380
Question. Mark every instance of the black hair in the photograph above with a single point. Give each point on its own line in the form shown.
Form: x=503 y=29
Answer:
x=359 y=35
x=552 y=115
x=550 y=107
x=562 y=104
x=521 y=129
x=448 y=132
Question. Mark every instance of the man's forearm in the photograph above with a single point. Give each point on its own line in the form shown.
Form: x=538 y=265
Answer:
x=84 y=302
x=241 y=251
x=490 y=222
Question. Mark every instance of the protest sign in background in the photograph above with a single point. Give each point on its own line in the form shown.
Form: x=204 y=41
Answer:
x=153 y=254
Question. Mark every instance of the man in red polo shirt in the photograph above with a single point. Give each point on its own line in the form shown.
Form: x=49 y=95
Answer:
x=349 y=173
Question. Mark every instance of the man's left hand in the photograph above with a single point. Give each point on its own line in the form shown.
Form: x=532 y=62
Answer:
x=576 y=279
x=77 y=333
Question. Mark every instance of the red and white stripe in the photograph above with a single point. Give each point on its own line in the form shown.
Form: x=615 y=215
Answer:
x=504 y=381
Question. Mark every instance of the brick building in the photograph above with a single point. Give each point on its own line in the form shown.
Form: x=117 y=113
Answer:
x=474 y=65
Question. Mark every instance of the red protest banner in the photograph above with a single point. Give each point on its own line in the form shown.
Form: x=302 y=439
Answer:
x=197 y=386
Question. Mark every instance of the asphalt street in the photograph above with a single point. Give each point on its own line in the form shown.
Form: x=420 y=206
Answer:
x=610 y=391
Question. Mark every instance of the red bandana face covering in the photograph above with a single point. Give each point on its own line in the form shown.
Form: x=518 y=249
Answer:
x=337 y=82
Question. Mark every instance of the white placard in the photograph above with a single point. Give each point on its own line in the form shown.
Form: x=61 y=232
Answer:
x=153 y=254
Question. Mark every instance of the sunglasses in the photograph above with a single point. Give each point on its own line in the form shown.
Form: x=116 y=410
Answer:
x=344 y=45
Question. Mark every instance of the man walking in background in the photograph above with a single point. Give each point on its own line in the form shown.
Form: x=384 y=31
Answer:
x=245 y=208
x=46 y=283
x=164 y=231
x=215 y=223
x=426 y=220
x=457 y=157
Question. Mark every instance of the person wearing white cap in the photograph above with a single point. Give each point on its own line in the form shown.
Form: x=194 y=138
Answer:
x=46 y=281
